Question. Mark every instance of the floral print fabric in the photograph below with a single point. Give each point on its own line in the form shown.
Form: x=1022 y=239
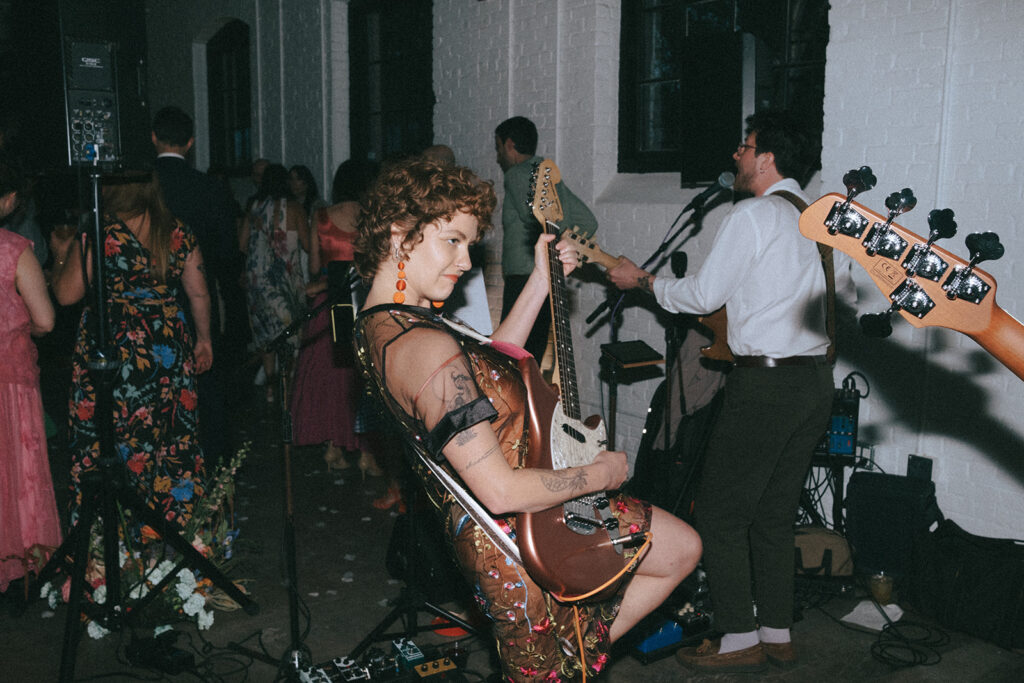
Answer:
x=153 y=392
x=275 y=286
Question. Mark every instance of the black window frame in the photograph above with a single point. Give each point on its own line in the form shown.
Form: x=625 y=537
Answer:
x=391 y=78
x=790 y=37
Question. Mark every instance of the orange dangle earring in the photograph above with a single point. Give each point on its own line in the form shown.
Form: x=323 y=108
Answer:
x=399 y=297
x=437 y=304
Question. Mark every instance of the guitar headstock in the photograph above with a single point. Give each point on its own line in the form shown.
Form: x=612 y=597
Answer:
x=544 y=200
x=926 y=284
x=588 y=249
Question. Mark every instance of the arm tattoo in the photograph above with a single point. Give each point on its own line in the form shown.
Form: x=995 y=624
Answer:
x=457 y=380
x=644 y=282
x=465 y=436
x=488 y=453
x=559 y=481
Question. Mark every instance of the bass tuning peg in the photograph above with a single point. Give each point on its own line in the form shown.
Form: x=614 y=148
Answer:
x=876 y=324
x=984 y=246
x=858 y=180
x=900 y=202
x=941 y=224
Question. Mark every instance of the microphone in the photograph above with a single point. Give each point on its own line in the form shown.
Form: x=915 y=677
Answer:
x=724 y=182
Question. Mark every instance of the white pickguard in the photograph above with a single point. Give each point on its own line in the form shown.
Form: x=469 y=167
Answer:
x=573 y=444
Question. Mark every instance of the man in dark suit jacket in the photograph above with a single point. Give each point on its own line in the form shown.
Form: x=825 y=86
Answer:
x=205 y=205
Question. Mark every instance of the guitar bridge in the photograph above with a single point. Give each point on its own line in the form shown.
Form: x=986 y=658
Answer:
x=586 y=514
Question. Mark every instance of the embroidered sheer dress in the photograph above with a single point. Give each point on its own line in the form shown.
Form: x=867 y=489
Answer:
x=536 y=636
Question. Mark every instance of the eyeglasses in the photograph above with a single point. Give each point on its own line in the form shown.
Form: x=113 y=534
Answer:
x=742 y=147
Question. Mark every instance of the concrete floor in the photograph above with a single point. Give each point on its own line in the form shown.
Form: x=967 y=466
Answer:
x=345 y=591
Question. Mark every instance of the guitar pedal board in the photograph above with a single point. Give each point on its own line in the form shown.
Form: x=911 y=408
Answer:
x=405 y=664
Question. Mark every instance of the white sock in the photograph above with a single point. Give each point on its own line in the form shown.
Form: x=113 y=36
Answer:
x=768 y=634
x=731 y=642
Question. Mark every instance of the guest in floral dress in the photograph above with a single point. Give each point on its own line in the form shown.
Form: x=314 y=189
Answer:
x=273 y=236
x=149 y=260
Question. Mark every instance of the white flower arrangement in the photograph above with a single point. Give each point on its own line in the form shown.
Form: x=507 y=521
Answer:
x=141 y=571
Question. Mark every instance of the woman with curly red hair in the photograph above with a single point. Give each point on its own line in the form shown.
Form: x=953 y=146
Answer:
x=459 y=400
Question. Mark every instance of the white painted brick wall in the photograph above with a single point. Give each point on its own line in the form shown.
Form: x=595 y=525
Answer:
x=927 y=92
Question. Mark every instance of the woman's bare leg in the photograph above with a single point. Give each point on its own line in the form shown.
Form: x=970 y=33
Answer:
x=675 y=551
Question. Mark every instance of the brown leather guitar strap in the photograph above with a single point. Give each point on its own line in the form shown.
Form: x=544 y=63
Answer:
x=829 y=266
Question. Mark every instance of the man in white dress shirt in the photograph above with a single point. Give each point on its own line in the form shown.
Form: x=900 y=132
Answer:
x=777 y=399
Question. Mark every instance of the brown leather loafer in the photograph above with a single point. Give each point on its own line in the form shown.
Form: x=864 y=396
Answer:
x=707 y=660
x=782 y=655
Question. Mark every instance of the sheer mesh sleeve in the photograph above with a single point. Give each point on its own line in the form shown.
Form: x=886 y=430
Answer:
x=428 y=374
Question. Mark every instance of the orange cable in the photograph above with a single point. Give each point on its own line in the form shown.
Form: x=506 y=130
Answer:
x=632 y=563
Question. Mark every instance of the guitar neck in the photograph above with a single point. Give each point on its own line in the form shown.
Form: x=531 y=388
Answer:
x=563 y=336
x=1004 y=339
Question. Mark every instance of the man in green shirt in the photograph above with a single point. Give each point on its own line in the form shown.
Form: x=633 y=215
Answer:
x=515 y=141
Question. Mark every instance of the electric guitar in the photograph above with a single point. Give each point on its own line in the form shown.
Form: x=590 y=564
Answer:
x=715 y=322
x=925 y=284
x=572 y=549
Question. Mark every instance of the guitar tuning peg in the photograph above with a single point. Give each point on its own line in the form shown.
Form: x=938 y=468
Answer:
x=876 y=324
x=984 y=246
x=858 y=180
x=900 y=202
x=941 y=224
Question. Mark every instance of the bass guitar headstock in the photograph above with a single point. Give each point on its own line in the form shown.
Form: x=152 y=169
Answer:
x=926 y=284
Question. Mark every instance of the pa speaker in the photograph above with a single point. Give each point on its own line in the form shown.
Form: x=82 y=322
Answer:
x=885 y=515
x=73 y=73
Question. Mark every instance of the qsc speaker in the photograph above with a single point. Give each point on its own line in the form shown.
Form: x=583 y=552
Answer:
x=885 y=515
x=73 y=71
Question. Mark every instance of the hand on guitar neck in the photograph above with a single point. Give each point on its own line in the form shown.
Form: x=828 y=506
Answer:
x=621 y=271
x=625 y=274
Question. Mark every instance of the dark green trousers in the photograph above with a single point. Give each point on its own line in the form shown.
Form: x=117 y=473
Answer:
x=746 y=505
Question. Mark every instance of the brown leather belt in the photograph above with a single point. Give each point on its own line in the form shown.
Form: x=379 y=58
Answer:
x=768 y=362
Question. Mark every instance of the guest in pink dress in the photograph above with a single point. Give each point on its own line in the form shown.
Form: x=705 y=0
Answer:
x=327 y=387
x=29 y=525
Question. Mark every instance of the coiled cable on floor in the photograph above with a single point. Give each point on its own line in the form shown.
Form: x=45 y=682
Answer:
x=905 y=644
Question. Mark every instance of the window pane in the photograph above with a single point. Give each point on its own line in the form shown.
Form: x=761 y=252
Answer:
x=659 y=116
x=660 y=38
x=710 y=16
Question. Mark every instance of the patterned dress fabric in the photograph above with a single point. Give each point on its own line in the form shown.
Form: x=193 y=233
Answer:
x=153 y=391
x=536 y=635
x=325 y=392
x=274 y=271
x=28 y=511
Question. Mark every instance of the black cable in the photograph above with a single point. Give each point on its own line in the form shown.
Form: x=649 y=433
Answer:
x=850 y=385
x=900 y=644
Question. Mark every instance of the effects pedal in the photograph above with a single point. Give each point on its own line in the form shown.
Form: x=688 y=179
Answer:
x=439 y=668
x=407 y=654
x=841 y=438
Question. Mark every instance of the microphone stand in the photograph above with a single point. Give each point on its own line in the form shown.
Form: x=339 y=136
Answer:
x=298 y=656
x=615 y=302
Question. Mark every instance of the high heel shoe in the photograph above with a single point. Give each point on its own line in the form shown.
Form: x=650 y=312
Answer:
x=334 y=457
x=390 y=499
x=368 y=465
